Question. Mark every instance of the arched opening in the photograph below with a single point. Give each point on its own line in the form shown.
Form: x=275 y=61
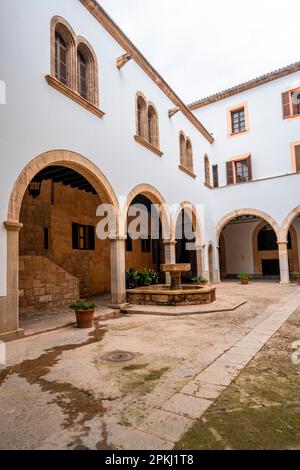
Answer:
x=189 y=156
x=61 y=258
x=185 y=236
x=29 y=186
x=144 y=247
x=142 y=118
x=207 y=170
x=153 y=126
x=63 y=52
x=248 y=244
x=87 y=72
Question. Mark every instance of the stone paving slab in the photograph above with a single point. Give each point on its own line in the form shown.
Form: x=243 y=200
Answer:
x=186 y=405
x=203 y=389
x=133 y=439
x=166 y=425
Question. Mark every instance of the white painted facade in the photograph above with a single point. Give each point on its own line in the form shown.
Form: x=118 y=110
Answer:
x=37 y=118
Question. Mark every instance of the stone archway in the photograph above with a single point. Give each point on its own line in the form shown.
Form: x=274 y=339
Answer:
x=194 y=217
x=152 y=251
x=9 y=320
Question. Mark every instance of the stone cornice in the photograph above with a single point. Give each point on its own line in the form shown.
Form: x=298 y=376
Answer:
x=104 y=19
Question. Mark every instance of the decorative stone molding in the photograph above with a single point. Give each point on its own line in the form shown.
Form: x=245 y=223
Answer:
x=284 y=229
x=239 y=212
x=68 y=159
x=13 y=226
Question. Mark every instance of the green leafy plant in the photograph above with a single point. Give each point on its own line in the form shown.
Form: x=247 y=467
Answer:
x=149 y=277
x=296 y=275
x=244 y=276
x=82 y=305
x=199 y=280
x=132 y=278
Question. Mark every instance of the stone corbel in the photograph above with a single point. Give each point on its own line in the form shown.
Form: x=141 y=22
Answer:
x=121 y=61
x=13 y=226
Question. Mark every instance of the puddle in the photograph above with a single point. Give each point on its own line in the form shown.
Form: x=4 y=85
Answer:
x=78 y=406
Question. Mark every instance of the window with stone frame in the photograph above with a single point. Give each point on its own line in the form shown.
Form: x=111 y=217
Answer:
x=291 y=103
x=238 y=120
x=83 y=237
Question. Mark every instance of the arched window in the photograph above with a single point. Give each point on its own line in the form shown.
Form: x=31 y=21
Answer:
x=153 y=126
x=87 y=72
x=267 y=239
x=142 y=118
x=60 y=59
x=189 y=156
x=182 y=143
x=82 y=75
x=63 y=52
x=207 y=170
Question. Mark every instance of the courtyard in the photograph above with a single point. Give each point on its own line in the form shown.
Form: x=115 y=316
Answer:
x=217 y=380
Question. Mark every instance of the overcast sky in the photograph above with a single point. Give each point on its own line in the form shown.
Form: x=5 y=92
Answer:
x=201 y=47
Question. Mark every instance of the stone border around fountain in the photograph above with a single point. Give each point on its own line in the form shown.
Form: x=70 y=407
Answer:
x=162 y=295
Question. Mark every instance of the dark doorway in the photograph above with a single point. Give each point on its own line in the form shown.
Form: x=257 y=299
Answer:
x=270 y=267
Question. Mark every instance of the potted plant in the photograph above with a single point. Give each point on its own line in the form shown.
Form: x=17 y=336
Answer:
x=199 y=281
x=244 y=278
x=84 y=312
x=297 y=276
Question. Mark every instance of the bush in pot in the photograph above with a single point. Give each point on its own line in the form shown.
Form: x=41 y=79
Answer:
x=244 y=277
x=84 y=312
x=296 y=275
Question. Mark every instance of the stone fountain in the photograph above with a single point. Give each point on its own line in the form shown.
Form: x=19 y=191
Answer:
x=175 y=294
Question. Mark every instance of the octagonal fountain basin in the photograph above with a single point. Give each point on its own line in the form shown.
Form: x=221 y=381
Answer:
x=163 y=295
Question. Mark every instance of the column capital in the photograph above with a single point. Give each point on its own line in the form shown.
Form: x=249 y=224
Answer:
x=13 y=226
x=282 y=242
x=169 y=242
x=115 y=237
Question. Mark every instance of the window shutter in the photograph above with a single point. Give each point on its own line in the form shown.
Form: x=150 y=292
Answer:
x=295 y=105
x=229 y=172
x=297 y=157
x=215 y=176
x=75 y=236
x=91 y=235
x=250 y=168
x=286 y=104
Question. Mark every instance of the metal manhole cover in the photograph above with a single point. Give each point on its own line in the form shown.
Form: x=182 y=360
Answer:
x=119 y=356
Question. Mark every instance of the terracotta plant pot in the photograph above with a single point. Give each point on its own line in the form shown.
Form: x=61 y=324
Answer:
x=244 y=282
x=84 y=318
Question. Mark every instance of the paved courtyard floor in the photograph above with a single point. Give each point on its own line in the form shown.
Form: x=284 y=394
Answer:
x=190 y=383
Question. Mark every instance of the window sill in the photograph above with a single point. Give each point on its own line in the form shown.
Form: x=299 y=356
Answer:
x=235 y=134
x=148 y=146
x=65 y=90
x=187 y=171
x=293 y=118
x=209 y=186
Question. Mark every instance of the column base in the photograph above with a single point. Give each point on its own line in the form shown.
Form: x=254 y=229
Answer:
x=119 y=306
x=11 y=335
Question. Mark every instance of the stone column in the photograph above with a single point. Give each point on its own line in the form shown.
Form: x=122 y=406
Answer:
x=217 y=270
x=117 y=267
x=283 y=262
x=170 y=255
x=9 y=315
x=199 y=260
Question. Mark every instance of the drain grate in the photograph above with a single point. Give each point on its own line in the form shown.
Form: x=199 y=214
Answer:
x=119 y=356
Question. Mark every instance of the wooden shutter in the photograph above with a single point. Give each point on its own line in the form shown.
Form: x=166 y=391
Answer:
x=250 y=168
x=75 y=236
x=91 y=239
x=229 y=172
x=295 y=106
x=215 y=176
x=286 y=104
x=297 y=157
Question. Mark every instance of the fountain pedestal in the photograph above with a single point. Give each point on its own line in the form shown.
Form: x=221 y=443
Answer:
x=175 y=271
